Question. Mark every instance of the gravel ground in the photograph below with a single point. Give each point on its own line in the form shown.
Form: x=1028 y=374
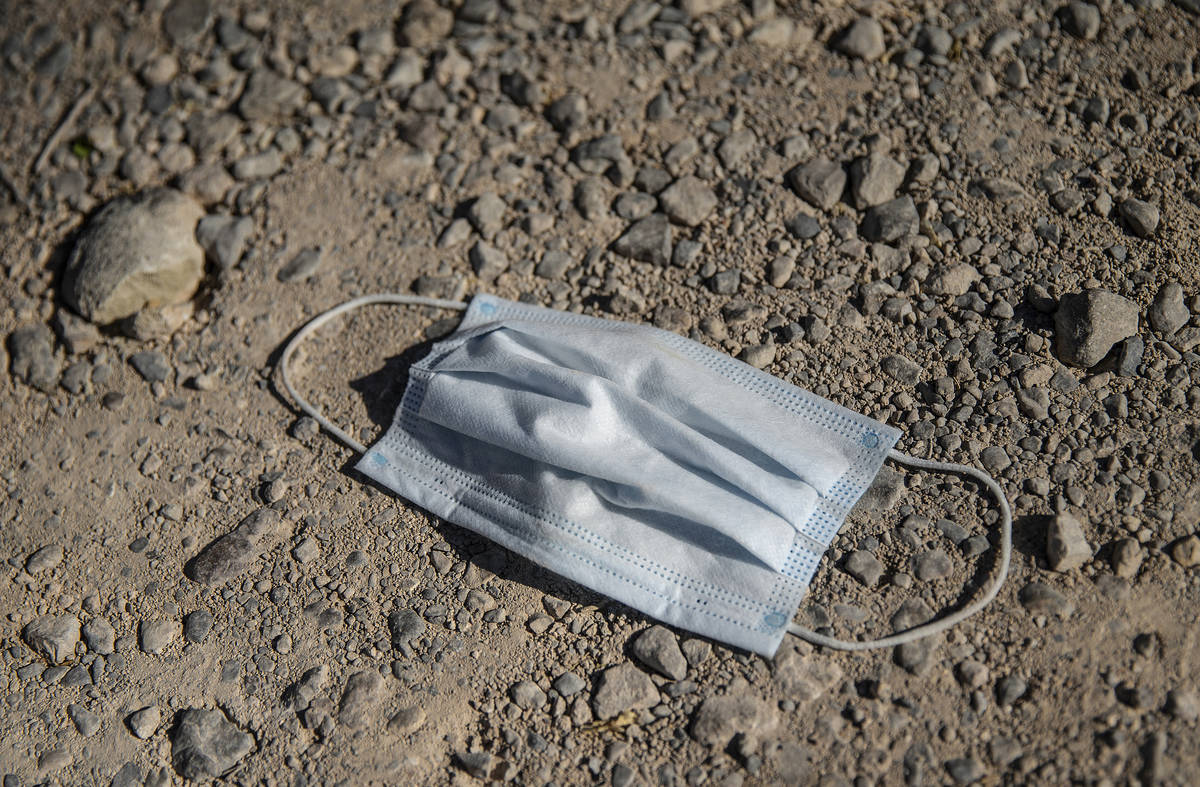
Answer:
x=975 y=221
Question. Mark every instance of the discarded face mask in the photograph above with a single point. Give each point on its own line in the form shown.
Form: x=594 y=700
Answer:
x=643 y=465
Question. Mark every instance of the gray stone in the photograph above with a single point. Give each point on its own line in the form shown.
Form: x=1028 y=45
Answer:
x=482 y=765
x=1009 y=689
x=1127 y=556
x=719 y=719
x=760 y=356
x=425 y=23
x=1081 y=20
x=44 y=559
x=903 y=370
x=803 y=226
x=1168 y=313
x=890 y=221
x=874 y=179
x=864 y=567
x=527 y=695
x=819 y=182
x=1186 y=551
x=648 y=240
x=998 y=189
x=911 y=613
x=803 y=678
x=1088 y=324
x=487 y=261
x=965 y=770
x=883 y=493
x=405 y=626
x=1066 y=546
x=862 y=39
x=32 y=357
x=933 y=40
x=205 y=745
x=196 y=625
x=1041 y=599
x=407 y=720
x=486 y=214
x=568 y=684
x=85 y=721
x=362 y=691
x=155 y=636
x=224 y=238
x=53 y=637
x=152 y=365
x=568 y=114
x=258 y=165
x=137 y=252
x=658 y=648
x=99 y=636
x=591 y=198
x=688 y=201
x=932 y=565
x=145 y=722
x=1141 y=217
x=302 y=266
x=270 y=97
x=231 y=554
x=186 y=20
x=622 y=688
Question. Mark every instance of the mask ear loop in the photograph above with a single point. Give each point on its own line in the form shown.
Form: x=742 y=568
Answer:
x=954 y=618
x=316 y=322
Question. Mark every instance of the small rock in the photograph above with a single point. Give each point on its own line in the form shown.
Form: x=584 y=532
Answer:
x=482 y=765
x=1168 y=313
x=1183 y=704
x=362 y=691
x=234 y=552
x=1186 y=551
x=621 y=688
x=658 y=648
x=86 y=722
x=302 y=266
x=270 y=97
x=155 y=636
x=903 y=370
x=688 y=201
x=932 y=565
x=1142 y=217
x=136 y=252
x=53 y=637
x=820 y=182
x=965 y=770
x=1081 y=20
x=719 y=719
x=1041 y=599
x=224 y=238
x=405 y=626
x=99 y=636
x=487 y=261
x=32 y=357
x=44 y=559
x=874 y=179
x=954 y=280
x=205 y=745
x=568 y=684
x=1066 y=546
x=527 y=695
x=890 y=221
x=568 y=114
x=486 y=214
x=197 y=624
x=144 y=723
x=152 y=365
x=972 y=674
x=1009 y=689
x=862 y=39
x=407 y=720
x=864 y=567
x=186 y=20
x=803 y=678
x=648 y=240
x=1088 y=324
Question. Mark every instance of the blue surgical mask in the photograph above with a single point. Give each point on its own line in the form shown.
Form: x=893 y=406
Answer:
x=640 y=464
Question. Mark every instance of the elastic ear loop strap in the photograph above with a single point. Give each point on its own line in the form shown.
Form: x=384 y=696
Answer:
x=954 y=618
x=324 y=317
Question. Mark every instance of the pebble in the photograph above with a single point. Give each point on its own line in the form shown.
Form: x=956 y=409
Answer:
x=302 y=266
x=224 y=238
x=874 y=179
x=44 y=559
x=53 y=637
x=152 y=365
x=568 y=684
x=155 y=636
x=647 y=240
x=932 y=565
x=1081 y=20
x=864 y=567
x=32 y=357
x=1089 y=323
x=407 y=720
x=890 y=221
x=718 y=720
x=487 y=261
x=196 y=625
x=359 y=696
x=482 y=765
x=1169 y=313
x=1141 y=217
x=658 y=648
x=863 y=39
x=901 y=369
x=688 y=201
x=527 y=695
x=136 y=252
x=819 y=182
x=231 y=554
x=270 y=97
x=186 y=20
x=622 y=688
x=1009 y=689
x=99 y=636
x=405 y=626
x=86 y=722
x=258 y=165
x=965 y=770
x=1041 y=599
x=803 y=678
x=145 y=722
x=1066 y=546
x=1186 y=551
x=486 y=214
x=206 y=745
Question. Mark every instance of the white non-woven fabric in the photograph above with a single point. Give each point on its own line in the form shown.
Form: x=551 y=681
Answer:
x=645 y=466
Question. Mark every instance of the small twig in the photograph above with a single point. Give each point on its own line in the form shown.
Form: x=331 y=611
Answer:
x=67 y=122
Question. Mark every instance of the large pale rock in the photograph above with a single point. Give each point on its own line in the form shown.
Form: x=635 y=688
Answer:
x=234 y=552
x=137 y=252
x=1088 y=324
x=206 y=745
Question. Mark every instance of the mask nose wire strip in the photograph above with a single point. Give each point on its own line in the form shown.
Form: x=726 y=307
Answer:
x=954 y=618
x=324 y=317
